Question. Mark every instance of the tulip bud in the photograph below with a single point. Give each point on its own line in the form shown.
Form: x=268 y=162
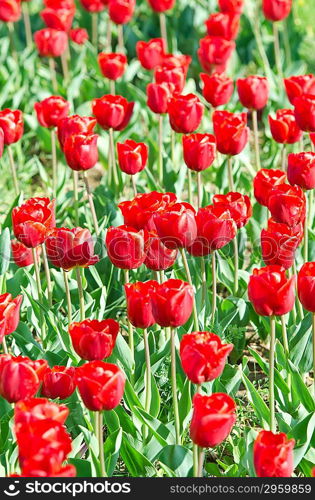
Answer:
x=276 y=10
x=112 y=65
x=151 y=53
x=132 y=156
x=237 y=204
x=121 y=11
x=279 y=243
x=93 y=5
x=287 y=204
x=10 y=11
x=159 y=257
x=304 y=110
x=75 y=125
x=12 y=125
x=93 y=339
x=175 y=76
x=126 y=247
x=199 y=151
x=273 y=455
x=297 y=86
x=301 y=170
x=32 y=410
x=161 y=5
x=81 y=151
x=284 y=128
x=79 y=35
x=217 y=88
x=139 y=303
x=231 y=6
x=214 y=53
x=22 y=256
x=265 y=180
x=112 y=111
x=185 y=113
x=231 y=132
x=58 y=18
x=176 y=225
x=9 y=314
x=172 y=303
x=33 y=220
x=51 y=42
x=58 y=382
x=306 y=286
x=51 y=110
x=158 y=96
x=253 y=92
x=222 y=24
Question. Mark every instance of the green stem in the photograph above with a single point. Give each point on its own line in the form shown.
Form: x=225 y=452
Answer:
x=101 y=444
x=4 y=345
x=12 y=43
x=130 y=328
x=94 y=30
x=40 y=293
x=53 y=74
x=161 y=150
x=299 y=305
x=174 y=386
x=113 y=156
x=256 y=139
x=54 y=160
x=230 y=173
x=68 y=296
x=277 y=49
x=109 y=35
x=112 y=87
x=163 y=29
x=91 y=203
x=173 y=139
x=186 y=266
x=134 y=185
x=47 y=274
x=80 y=290
x=305 y=248
x=201 y=458
x=189 y=186
x=214 y=286
x=13 y=171
x=76 y=196
x=272 y=374
x=203 y=279
x=27 y=25
x=147 y=371
x=65 y=68
x=199 y=190
x=121 y=44
x=236 y=265
x=313 y=331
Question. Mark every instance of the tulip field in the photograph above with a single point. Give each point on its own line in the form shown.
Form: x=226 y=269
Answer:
x=157 y=238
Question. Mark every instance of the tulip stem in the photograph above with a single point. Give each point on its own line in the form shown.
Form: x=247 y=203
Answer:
x=101 y=444
x=27 y=25
x=195 y=446
x=94 y=29
x=203 y=279
x=236 y=264
x=214 y=286
x=161 y=150
x=65 y=68
x=199 y=190
x=120 y=34
x=80 y=290
x=277 y=49
x=68 y=296
x=76 y=196
x=13 y=171
x=163 y=29
x=130 y=328
x=91 y=203
x=113 y=155
x=284 y=157
x=148 y=371
x=112 y=89
x=230 y=173
x=53 y=74
x=189 y=186
x=109 y=35
x=272 y=373
x=299 y=305
x=40 y=293
x=313 y=328
x=186 y=266
x=134 y=185
x=256 y=138
x=4 y=345
x=174 y=386
x=12 y=44
x=54 y=160
x=47 y=274
x=201 y=458
x=173 y=137
x=285 y=343
x=305 y=248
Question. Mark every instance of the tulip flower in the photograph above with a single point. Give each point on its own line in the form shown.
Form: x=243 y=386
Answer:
x=126 y=247
x=10 y=11
x=304 y=110
x=276 y=10
x=185 y=113
x=223 y=24
x=139 y=303
x=58 y=382
x=12 y=126
x=19 y=377
x=199 y=151
x=161 y=5
x=279 y=243
x=81 y=151
x=174 y=75
x=305 y=288
x=214 y=53
x=273 y=455
x=296 y=86
x=33 y=220
x=57 y=17
x=1 y=142
x=121 y=11
x=176 y=226
x=158 y=256
x=231 y=6
x=132 y=158
x=301 y=170
x=217 y=88
x=79 y=35
x=75 y=125
x=112 y=66
x=9 y=314
x=51 y=43
x=203 y=356
x=287 y=204
x=22 y=255
x=93 y=5
x=29 y=411
x=93 y=339
x=284 y=129
x=151 y=53
x=140 y=212
x=265 y=180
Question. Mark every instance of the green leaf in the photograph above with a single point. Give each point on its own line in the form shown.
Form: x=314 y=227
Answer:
x=111 y=451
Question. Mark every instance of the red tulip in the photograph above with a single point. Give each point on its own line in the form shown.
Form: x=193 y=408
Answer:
x=223 y=24
x=139 y=303
x=306 y=286
x=271 y=292
x=121 y=11
x=132 y=156
x=32 y=410
x=304 y=110
x=93 y=5
x=284 y=128
x=301 y=170
x=33 y=220
x=1 y=142
x=174 y=77
x=11 y=123
x=101 y=385
x=172 y=303
x=276 y=10
x=161 y=5
x=140 y=212
x=203 y=356
x=79 y=35
x=212 y=420
x=287 y=204
x=51 y=110
x=112 y=65
x=10 y=11
x=176 y=225
x=231 y=132
x=264 y=181
x=297 y=86
x=217 y=88
x=273 y=455
x=253 y=91
x=237 y=204
x=177 y=61
x=158 y=256
x=75 y=125
x=19 y=377
x=58 y=18
x=51 y=42
x=312 y=137
x=22 y=256
x=126 y=247
x=151 y=53
x=158 y=96
x=58 y=382
x=231 y=5
x=279 y=243
x=47 y=467
x=81 y=151
x=69 y=248
x=199 y=151
x=214 y=53
x=185 y=113
x=112 y=111
x=215 y=229
x=9 y=314
x=93 y=339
